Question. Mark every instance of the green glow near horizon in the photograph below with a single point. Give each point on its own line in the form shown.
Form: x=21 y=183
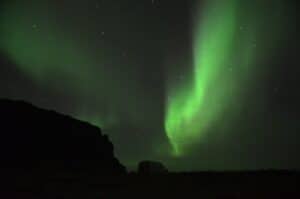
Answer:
x=56 y=55
x=60 y=47
x=51 y=55
x=222 y=56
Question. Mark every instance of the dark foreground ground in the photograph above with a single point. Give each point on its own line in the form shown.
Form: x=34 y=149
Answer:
x=266 y=184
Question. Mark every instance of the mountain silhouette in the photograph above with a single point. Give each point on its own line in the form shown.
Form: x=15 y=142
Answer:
x=44 y=154
x=34 y=139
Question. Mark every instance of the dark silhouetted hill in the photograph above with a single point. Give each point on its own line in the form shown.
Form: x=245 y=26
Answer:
x=44 y=154
x=34 y=139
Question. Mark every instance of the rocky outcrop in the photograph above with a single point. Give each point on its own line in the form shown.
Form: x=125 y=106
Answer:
x=151 y=167
x=35 y=139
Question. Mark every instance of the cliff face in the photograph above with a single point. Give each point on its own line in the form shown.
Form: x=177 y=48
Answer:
x=37 y=139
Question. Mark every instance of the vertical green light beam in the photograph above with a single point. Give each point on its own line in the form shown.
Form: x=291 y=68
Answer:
x=194 y=107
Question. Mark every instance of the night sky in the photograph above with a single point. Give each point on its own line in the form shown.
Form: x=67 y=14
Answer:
x=199 y=85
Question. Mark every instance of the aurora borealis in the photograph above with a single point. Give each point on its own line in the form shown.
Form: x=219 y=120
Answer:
x=223 y=55
x=202 y=84
x=198 y=104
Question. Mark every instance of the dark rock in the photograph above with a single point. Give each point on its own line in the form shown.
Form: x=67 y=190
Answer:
x=40 y=140
x=149 y=167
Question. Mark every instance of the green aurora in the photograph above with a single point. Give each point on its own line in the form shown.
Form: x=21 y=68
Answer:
x=63 y=48
x=227 y=43
x=58 y=56
x=230 y=41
